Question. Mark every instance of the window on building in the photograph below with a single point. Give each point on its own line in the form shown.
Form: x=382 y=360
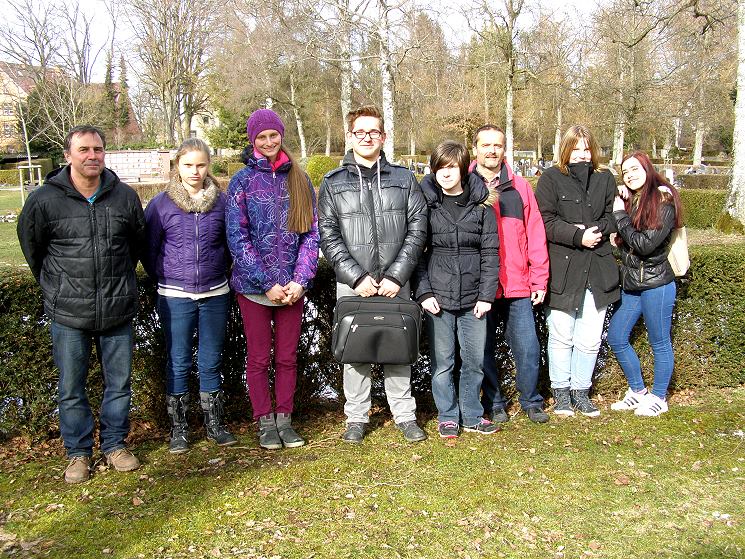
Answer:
x=9 y=131
x=205 y=120
x=8 y=109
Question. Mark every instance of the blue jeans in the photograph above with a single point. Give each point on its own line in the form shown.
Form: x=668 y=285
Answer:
x=521 y=336
x=442 y=329
x=181 y=317
x=656 y=305
x=574 y=340
x=72 y=349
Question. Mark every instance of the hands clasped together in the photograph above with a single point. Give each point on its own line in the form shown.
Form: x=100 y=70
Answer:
x=285 y=294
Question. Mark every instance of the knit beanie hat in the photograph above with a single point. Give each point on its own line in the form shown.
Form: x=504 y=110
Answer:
x=263 y=119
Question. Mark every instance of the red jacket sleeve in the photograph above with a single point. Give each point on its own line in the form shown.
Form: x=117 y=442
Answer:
x=536 y=232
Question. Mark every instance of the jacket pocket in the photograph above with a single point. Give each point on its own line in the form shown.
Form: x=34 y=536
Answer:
x=559 y=264
x=608 y=272
x=570 y=209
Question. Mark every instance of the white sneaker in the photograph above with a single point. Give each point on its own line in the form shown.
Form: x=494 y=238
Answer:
x=630 y=401
x=651 y=406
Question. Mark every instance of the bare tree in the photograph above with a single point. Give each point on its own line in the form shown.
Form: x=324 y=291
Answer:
x=501 y=18
x=173 y=45
x=736 y=200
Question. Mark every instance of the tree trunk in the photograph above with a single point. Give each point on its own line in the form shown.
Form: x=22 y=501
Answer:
x=298 y=118
x=344 y=42
x=619 y=130
x=654 y=147
x=539 y=147
x=412 y=141
x=508 y=116
x=557 y=136
x=328 y=139
x=678 y=128
x=736 y=200
x=386 y=79
x=698 y=146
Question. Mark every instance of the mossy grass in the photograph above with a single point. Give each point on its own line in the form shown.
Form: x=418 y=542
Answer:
x=616 y=486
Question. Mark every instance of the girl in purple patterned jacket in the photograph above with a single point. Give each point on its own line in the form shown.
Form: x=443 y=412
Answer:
x=272 y=229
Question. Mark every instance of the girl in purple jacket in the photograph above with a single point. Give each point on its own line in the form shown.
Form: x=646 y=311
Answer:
x=187 y=255
x=272 y=227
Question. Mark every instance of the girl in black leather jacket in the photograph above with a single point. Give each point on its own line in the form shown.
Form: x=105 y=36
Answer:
x=645 y=221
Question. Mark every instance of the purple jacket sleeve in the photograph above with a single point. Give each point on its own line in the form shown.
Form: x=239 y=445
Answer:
x=154 y=237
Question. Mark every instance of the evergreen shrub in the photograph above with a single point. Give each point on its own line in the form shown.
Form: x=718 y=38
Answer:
x=708 y=338
x=318 y=166
x=705 y=182
x=702 y=208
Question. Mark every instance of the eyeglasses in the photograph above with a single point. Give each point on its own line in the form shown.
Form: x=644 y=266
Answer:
x=374 y=134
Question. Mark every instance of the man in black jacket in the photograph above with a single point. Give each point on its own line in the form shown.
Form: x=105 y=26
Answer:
x=373 y=224
x=80 y=234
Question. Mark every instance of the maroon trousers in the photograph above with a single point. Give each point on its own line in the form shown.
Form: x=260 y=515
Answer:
x=260 y=338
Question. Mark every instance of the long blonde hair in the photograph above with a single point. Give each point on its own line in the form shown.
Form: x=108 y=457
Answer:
x=569 y=140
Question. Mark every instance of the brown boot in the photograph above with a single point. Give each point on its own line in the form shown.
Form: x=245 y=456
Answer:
x=78 y=470
x=122 y=460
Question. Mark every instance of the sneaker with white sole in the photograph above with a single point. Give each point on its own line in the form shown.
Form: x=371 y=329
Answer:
x=630 y=401
x=484 y=426
x=448 y=429
x=652 y=406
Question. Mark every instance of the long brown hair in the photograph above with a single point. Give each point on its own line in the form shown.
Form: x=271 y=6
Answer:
x=569 y=140
x=300 y=216
x=646 y=201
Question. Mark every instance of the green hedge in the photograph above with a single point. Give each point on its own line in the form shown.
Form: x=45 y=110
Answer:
x=9 y=176
x=705 y=182
x=318 y=166
x=708 y=336
x=702 y=208
x=46 y=166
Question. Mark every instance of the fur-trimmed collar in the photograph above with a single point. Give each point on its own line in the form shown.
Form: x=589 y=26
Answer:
x=176 y=192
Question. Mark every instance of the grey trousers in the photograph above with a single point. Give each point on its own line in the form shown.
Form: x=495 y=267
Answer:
x=357 y=382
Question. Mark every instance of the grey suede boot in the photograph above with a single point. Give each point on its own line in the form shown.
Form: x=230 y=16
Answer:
x=289 y=436
x=212 y=405
x=268 y=435
x=177 y=406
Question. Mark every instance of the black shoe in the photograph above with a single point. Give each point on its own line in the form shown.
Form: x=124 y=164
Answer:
x=412 y=432
x=289 y=436
x=355 y=432
x=500 y=416
x=212 y=405
x=177 y=406
x=583 y=404
x=537 y=415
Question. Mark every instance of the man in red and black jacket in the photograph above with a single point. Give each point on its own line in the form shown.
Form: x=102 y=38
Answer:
x=523 y=277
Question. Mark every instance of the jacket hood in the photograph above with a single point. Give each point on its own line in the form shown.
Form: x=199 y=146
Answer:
x=176 y=192
x=477 y=191
x=61 y=179
x=261 y=163
x=351 y=163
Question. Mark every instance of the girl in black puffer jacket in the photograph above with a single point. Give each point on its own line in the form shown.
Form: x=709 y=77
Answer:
x=455 y=282
x=645 y=223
